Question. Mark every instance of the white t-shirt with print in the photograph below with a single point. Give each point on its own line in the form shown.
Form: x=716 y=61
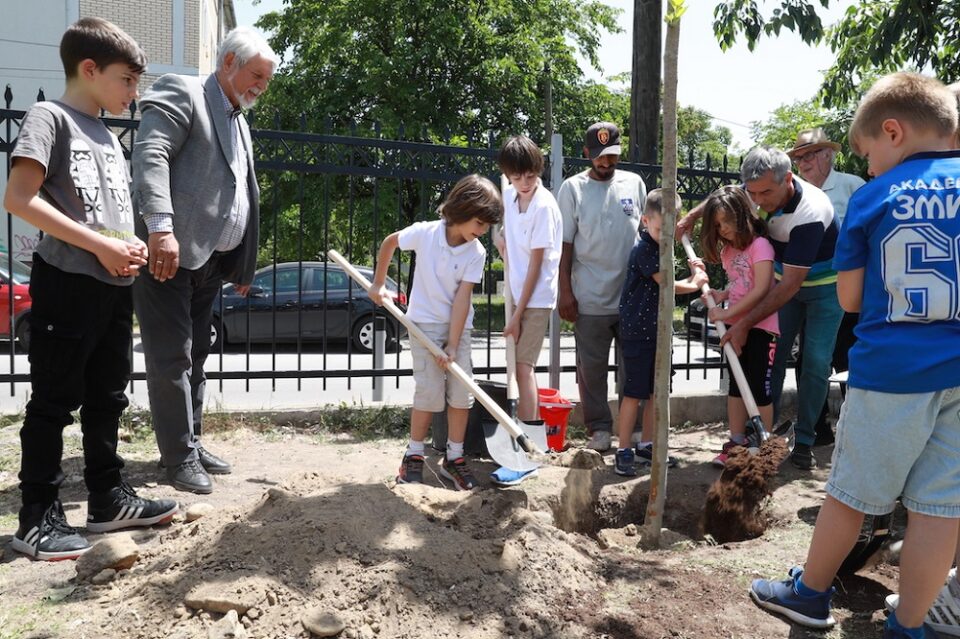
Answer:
x=540 y=226
x=440 y=270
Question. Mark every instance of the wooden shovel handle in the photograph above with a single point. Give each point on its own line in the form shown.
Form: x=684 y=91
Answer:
x=748 y=401
x=498 y=413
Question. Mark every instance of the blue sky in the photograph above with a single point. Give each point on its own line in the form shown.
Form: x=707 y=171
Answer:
x=737 y=87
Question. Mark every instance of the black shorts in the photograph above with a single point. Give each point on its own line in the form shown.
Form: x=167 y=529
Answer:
x=756 y=359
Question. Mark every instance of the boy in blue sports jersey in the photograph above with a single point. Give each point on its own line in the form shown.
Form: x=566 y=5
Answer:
x=899 y=432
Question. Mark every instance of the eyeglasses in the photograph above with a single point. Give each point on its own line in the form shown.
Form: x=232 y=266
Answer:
x=806 y=156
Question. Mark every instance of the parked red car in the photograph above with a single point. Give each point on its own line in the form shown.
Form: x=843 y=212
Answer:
x=16 y=276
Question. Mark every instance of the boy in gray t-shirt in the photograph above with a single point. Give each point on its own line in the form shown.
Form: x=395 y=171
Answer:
x=70 y=180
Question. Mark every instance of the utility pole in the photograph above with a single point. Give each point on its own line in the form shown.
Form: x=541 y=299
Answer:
x=645 y=81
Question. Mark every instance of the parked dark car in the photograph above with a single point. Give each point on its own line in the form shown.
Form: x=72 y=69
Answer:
x=326 y=304
x=16 y=324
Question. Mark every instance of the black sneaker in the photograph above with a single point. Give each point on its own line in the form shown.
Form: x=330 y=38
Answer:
x=49 y=537
x=458 y=472
x=120 y=507
x=645 y=457
x=411 y=470
x=802 y=457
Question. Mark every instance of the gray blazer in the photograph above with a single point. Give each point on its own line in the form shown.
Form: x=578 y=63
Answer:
x=181 y=166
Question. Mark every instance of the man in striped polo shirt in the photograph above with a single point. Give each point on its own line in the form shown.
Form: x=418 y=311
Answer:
x=803 y=232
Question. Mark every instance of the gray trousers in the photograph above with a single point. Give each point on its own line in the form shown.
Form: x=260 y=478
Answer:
x=175 y=330
x=594 y=334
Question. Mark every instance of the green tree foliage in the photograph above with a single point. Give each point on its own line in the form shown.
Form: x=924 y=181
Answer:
x=698 y=137
x=874 y=36
x=440 y=71
x=450 y=65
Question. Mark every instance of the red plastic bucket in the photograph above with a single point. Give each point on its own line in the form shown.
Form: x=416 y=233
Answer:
x=554 y=411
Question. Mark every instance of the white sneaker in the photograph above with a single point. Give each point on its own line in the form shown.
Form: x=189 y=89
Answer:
x=944 y=614
x=599 y=441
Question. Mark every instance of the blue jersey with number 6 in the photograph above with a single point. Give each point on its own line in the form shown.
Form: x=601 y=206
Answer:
x=903 y=229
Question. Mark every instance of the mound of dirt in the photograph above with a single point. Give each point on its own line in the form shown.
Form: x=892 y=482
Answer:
x=345 y=548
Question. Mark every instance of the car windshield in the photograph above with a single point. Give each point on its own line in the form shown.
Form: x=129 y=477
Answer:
x=21 y=272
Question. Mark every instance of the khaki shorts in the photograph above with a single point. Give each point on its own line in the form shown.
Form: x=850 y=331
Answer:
x=434 y=389
x=533 y=328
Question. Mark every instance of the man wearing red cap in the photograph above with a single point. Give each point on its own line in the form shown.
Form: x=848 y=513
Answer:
x=601 y=209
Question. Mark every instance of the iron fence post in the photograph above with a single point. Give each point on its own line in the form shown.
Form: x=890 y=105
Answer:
x=556 y=177
x=379 y=354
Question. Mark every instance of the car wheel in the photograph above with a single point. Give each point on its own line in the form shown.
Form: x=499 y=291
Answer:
x=362 y=335
x=218 y=334
x=23 y=333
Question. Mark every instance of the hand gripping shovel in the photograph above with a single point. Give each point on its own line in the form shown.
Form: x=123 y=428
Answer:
x=501 y=445
x=756 y=433
x=523 y=441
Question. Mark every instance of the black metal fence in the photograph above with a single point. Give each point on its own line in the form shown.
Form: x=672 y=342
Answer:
x=344 y=190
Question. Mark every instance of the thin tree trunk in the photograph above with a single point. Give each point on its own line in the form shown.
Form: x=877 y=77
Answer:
x=645 y=81
x=661 y=386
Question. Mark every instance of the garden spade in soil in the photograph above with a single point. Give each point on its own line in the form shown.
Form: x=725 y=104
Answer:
x=756 y=432
x=503 y=457
x=733 y=504
x=503 y=448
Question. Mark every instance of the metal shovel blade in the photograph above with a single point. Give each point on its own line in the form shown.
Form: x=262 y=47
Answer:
x=506 y=451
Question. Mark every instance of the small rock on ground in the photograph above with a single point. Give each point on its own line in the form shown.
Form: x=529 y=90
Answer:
x=117 y=551
x=323 y=623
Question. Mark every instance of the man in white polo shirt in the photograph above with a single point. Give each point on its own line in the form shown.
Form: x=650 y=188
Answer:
x=601 y=210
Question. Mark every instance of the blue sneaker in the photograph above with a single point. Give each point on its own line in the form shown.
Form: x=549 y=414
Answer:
x=893 y=630
x=782 y=597
x=623 y=462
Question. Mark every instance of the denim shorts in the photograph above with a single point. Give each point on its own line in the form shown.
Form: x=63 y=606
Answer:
x=892 y=445
x=434 y=388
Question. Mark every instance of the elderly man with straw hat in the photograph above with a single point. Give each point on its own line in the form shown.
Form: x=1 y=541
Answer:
x=814 y=155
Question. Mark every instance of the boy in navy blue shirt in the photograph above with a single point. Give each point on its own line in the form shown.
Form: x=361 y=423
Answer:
x=898 y=435
x=639 y=306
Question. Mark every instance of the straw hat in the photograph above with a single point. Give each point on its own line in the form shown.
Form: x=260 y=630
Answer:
x=812 y=140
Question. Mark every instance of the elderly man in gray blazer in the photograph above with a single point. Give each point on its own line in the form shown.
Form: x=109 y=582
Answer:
x=196 y=193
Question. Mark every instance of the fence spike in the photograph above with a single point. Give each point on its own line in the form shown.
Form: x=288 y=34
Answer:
x=276 y=120
x=377 y=129
x=303 y=120
x=353 y=128
x=40 y=96
x=690 y=159
x=401 y=130
x=327 y=124
x=133 y=109
x=252 y=118
x=724 y=163
x=708 y=161
x=8 y=96
x=423 y=134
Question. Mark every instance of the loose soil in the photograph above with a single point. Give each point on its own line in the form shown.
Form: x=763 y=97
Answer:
x=311 y=523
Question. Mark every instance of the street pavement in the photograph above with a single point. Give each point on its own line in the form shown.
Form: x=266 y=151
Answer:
x=697 y=392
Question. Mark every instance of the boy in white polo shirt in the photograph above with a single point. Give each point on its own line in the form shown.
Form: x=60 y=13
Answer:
x=533 y=231
x=450 y=260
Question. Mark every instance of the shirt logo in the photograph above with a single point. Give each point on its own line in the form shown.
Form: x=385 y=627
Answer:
x=627 y=204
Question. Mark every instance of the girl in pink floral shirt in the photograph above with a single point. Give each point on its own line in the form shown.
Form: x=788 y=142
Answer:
x=735 y=236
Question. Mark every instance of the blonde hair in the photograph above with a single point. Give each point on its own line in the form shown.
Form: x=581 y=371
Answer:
x=922 y=102
x=654 y=203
